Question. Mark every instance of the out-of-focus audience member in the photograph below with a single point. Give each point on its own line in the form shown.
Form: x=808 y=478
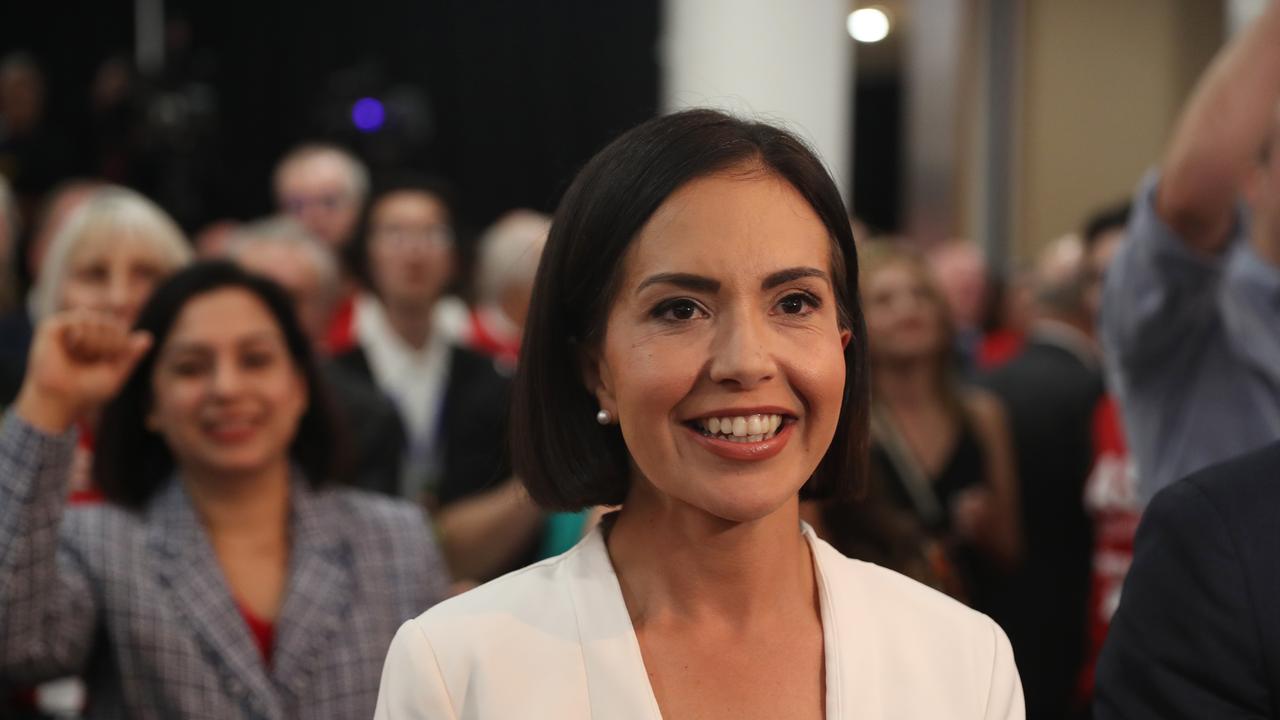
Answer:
x=1111 y=492
x=107 y=255
x=1190 y=309
x=1006 y=320
x=222 y=578
x=508 y=261
x=325 y=188
x=940 y=449
x=453 y=401
x=960 y=271
x=1192 y=298
x=283 y=250
x=1051 y=390
x=33 y=155
x=107 y=258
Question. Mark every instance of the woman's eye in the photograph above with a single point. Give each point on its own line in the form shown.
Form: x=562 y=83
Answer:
x=188 y=369
x=678 y=310
x=257 y=360
x=798 y=303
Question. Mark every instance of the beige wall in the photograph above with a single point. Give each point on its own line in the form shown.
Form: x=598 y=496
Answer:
x=1102 y=82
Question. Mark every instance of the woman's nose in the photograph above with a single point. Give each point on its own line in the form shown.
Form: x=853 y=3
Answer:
x=227 y=378
x=740 y=352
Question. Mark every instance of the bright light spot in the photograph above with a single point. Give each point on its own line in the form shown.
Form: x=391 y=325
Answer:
x=368 y=114
x=868 y=25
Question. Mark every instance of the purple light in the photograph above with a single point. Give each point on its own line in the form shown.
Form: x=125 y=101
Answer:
x=368 y=114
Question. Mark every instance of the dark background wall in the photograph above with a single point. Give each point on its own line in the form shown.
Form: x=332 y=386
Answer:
x=503 y=99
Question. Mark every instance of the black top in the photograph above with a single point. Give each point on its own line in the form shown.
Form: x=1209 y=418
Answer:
x=965 y=467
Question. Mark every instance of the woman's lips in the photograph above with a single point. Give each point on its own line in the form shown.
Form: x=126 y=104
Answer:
x=749 y=451
x=230 y=433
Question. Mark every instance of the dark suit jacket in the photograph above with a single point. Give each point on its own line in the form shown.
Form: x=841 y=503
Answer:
x=1050 y=394
x=371 y=426
x=472 y=424
x=1197 y=634
x=15 y=342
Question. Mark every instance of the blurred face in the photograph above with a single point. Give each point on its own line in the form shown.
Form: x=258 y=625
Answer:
x=316 y=191
x=227 y=395
x=722 y=357
x=21 y=99
x=294 y=270
x=113 y=273
x=962 y=279
x=410 y=249
x=904 y=319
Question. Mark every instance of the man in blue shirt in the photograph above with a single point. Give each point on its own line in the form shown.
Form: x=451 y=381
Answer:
x=1191 y=306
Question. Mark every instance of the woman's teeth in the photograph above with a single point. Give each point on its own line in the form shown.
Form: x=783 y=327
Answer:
x=742 y=429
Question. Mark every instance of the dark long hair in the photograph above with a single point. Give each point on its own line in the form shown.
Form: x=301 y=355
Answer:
x=567 y=460
x=131 y=462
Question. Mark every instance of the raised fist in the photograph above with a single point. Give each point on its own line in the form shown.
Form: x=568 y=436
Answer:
x=78 y=361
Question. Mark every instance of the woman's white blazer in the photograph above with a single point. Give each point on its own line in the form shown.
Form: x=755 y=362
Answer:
x=554 y=640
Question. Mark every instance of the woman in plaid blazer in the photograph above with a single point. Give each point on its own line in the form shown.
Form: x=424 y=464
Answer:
x=222 y=579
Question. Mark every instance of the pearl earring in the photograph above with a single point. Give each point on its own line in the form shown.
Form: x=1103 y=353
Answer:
x=604 y=417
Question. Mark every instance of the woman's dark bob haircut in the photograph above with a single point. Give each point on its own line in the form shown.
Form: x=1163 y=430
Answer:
x=131 y=462
x=566 y=459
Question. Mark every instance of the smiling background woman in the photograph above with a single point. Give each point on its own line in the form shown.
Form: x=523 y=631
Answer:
x=694 y=353
x=223 y=577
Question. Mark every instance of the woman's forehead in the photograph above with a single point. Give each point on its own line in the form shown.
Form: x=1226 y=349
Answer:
x=117 y=242
x=731 y=226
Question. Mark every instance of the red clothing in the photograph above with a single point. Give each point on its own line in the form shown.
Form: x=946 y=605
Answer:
x=263 y=632
x=1111 y=498
x=342 y=327
x=999 y=347
x=489 y=342
x=87 y=495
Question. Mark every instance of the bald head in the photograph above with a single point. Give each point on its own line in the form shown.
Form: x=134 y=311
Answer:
x=323 y=187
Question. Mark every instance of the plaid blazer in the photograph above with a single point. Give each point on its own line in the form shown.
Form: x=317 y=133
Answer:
x=136 y=604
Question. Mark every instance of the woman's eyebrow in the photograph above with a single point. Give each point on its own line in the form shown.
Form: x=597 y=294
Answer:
x=782 y=277
x=687 y=281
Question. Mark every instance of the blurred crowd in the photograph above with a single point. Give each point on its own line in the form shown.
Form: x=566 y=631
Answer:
x=1001 y=418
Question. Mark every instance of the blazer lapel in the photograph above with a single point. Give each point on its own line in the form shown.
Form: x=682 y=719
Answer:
x=851 y=668
x=320 y=588
x=187 y=568
x=617 y=682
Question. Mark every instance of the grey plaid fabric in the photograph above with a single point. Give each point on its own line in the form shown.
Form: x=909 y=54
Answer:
x=136 y=604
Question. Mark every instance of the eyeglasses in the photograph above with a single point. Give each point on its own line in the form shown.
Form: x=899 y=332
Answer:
x=405 y=236
x=294 y=204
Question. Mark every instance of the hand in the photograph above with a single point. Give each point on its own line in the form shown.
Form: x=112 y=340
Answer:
x=971 y=513
x=78 y=361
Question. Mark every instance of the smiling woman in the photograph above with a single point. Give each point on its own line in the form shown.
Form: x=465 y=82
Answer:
x=695 y=355
x=224 y=576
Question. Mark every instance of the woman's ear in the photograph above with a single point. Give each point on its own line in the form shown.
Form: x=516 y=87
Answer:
x=597 y=378
x=845 y=337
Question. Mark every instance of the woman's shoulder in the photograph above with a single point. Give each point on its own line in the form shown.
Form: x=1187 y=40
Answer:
x=394 y=527
x=536 y=601
x=904 y=606
x=911 y=636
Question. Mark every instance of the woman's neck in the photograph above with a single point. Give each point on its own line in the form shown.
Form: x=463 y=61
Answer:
x=679 y=564
x=254 y=504
x=905 y=384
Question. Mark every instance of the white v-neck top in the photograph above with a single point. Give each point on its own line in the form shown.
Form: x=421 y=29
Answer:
x=554 y=640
